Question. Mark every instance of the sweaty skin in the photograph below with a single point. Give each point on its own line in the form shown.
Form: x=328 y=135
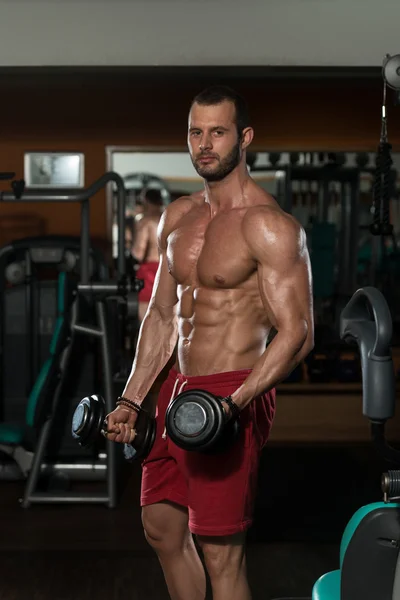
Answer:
x=237 y=275
x=222 y=283
x=145 y=248
x=232 y=265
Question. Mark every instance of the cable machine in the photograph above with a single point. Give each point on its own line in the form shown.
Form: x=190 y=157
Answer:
x=44 y=402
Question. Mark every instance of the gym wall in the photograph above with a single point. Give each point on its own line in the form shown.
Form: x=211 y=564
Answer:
x=87 y=112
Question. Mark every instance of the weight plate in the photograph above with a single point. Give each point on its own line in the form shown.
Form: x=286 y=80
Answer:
x=190 y=419
x=213 y=423
x=79 y=419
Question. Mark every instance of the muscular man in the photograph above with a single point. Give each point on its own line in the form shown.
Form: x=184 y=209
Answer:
x=233 y=265
x=145 y=247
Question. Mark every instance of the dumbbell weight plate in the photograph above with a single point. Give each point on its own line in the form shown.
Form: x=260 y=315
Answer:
x=193 y=419
x=229 y=436
x=88 y=420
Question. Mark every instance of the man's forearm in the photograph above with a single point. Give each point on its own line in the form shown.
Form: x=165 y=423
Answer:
x=279 y=359
x=157 y=340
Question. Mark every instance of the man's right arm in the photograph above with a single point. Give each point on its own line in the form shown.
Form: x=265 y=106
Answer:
x=159 y=332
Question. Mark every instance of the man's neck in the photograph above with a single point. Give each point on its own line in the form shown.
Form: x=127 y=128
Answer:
x=230 y=192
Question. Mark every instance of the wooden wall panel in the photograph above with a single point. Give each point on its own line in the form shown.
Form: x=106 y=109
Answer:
x=88 y=115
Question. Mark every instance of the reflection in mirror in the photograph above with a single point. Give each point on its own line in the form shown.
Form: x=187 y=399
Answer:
x=170 y=172
x=329 y=193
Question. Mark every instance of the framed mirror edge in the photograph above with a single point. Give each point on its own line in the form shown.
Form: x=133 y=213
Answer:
x=110 y=150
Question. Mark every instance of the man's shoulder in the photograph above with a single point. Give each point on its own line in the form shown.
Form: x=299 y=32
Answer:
x=181 y=206
x=269 y=213
x=174 y=213
x=269 y=224
x=188 y=200
x=142 y=222
x=150 y=221
x=180 y=203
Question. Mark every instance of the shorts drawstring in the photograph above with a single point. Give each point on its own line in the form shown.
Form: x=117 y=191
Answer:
x=164 y=435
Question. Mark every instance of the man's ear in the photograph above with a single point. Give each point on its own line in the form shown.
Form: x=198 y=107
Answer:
x=247 y=137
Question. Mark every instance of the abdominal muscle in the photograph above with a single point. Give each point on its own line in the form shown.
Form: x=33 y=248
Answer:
x=219 y=330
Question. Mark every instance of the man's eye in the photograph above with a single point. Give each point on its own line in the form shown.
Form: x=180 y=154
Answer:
x=219 y=132
x=195 y=133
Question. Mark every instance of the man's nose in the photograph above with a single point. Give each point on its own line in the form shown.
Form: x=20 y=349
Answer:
x=206 y=143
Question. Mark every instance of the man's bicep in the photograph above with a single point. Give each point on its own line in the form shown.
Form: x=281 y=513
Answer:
x=164 y=296
x=286 y=294
x=279 y=246
x=165 y=288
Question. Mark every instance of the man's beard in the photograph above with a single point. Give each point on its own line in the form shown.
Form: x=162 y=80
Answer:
x=224 y=167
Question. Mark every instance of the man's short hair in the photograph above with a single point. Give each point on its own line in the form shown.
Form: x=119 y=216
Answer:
x=217 y=94
x=153 y=196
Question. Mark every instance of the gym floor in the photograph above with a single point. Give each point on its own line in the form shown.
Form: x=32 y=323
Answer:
x=83 y=552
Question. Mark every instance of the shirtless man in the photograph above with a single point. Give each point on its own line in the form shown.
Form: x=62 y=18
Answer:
x=232 y=266
x=145 y=247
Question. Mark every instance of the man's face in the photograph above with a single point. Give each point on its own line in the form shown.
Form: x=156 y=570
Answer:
x=213 y=140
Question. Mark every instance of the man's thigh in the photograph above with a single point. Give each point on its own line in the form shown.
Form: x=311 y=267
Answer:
x=162 y=478
x=222 y=487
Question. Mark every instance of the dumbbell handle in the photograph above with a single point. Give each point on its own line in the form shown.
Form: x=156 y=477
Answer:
x=126 y=403
x=233 y=407
x=130 y=451
x=104 y=432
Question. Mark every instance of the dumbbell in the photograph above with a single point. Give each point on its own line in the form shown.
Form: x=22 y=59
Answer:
x=196 y=420
x=89 y=421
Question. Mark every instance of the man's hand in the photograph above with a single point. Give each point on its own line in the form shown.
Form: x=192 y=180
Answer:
x=120 y=425
x=231 y=408
x=227 y=410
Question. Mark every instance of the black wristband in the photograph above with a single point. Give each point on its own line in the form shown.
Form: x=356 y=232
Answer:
x=235 y=410
x=129 y=403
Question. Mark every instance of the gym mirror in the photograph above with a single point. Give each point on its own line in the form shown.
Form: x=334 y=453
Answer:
x=329 y=193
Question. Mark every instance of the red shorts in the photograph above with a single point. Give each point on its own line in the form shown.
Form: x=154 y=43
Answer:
x=147 y=272
x=218 y=490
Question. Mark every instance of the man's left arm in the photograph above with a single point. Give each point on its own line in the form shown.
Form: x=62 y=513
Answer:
x=278 y=245
x=141 y=241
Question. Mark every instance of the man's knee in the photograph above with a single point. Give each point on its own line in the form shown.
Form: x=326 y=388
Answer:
x=223 y=556
x=166 y=527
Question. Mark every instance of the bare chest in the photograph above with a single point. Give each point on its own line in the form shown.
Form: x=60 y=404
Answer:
x=208 y=253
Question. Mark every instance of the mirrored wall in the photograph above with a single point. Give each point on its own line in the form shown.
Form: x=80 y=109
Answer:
x=329 y=193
